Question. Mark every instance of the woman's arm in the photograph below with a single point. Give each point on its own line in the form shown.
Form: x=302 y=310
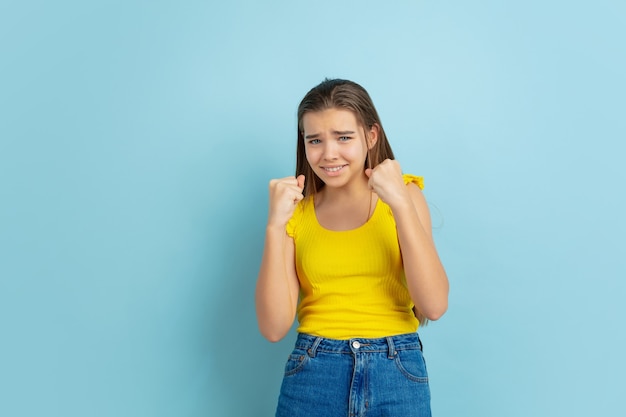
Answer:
x=426 y=278
x=277 y=287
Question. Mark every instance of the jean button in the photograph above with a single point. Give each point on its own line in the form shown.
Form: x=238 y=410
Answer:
x=356 y=344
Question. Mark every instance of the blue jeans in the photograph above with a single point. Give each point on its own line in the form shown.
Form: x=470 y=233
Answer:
x=355 y=378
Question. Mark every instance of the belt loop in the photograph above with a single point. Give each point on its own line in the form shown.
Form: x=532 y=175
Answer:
x=313 y=349
x=392 y=349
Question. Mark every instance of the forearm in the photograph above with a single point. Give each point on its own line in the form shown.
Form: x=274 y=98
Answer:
x=427 y=281
x=277 y=286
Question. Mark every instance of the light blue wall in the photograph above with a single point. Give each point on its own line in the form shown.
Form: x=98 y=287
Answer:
x=137 y=140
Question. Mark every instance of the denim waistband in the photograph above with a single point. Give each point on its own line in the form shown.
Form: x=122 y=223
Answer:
x=391 y=344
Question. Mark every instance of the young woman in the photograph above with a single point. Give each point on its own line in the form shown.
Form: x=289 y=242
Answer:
x=349 y=250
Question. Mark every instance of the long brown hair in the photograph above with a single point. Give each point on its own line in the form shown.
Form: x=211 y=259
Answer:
x=342 y=94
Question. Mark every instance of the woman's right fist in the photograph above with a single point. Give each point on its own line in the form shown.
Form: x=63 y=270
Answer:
x=285 y=193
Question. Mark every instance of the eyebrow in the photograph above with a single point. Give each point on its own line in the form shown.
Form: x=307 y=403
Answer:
x=335 y=132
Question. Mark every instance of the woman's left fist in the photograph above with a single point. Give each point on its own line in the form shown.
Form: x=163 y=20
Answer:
x=386 y=181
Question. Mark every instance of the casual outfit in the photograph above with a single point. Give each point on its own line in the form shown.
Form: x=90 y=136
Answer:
x=357 y=352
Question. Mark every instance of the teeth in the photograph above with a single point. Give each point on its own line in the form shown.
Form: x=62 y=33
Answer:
x=335 y=169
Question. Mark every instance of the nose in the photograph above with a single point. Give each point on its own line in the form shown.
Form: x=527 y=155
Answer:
x=330 y=151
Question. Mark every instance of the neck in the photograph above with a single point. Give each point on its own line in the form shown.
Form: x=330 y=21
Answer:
x=350 y=192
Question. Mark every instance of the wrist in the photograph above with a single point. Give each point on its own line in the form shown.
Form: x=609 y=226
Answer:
x=400 y=203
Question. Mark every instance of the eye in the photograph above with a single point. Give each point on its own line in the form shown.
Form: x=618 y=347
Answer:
x=314 y=141
x=344 y=138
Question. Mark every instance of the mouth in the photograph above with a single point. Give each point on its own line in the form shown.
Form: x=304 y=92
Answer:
x=333 y=169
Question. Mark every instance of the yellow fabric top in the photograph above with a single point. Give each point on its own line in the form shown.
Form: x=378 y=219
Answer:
x=352 y=282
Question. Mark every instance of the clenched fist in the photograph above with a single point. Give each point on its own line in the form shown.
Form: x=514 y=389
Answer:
x=285 y=193
x=386 y=181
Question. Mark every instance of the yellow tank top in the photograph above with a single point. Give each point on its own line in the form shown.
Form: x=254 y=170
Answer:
x=352 y=282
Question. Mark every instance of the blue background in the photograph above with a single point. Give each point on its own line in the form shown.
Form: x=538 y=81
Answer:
x=137 y=139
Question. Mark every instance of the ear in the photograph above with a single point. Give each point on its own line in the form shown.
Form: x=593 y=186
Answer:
x=373 y=135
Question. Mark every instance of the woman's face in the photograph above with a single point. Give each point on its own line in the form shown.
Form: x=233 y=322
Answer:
x=335 y=146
